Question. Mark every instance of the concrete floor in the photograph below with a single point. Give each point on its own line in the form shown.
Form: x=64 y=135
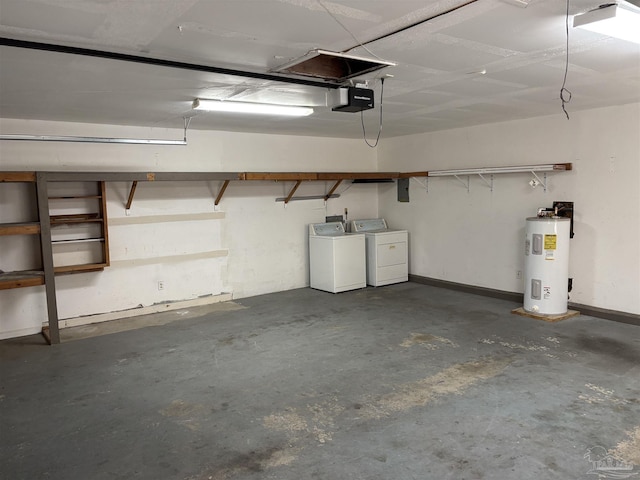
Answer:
x=400 y=382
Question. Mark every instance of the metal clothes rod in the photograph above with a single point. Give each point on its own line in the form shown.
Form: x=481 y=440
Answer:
x=309 y=197
x=551 y=167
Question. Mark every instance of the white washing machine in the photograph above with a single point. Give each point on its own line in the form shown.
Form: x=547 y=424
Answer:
x=336 y=258
x=387 y=252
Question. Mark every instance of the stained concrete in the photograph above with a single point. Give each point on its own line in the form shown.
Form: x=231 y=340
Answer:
x=400 y=382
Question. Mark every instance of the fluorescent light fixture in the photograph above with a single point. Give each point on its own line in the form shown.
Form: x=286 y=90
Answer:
x=247 y=107
x=620 y=20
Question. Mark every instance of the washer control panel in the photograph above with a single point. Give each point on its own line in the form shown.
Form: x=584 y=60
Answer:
x=326 y=229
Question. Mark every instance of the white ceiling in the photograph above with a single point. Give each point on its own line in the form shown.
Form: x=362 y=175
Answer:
x=436 y=84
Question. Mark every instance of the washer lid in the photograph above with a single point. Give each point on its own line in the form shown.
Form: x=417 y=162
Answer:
x=370 y=225
x=330 y=229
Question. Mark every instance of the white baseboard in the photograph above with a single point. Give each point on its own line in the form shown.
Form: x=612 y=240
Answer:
x=20 y=332
x=134 y=312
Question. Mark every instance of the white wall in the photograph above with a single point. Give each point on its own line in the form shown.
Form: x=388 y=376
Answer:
x=259 y=246
x=251 y=244
x=477 y=237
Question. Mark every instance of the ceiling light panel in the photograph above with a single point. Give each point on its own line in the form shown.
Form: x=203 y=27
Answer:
x=251 y=108
x=619 y=20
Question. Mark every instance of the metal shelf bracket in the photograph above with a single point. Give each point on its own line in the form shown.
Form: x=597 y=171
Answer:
x=488 y=182
x=466 y=184
x=542 y=182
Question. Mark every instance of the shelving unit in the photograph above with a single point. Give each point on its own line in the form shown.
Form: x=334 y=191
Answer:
x=83 y=222
x=87 y=227
x=48 y=223
x=20 y=278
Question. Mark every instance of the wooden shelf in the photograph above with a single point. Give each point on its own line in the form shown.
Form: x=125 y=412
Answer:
x=18 y=177
x=71 y=197
x=26 y=228
x=88 y=267
x=76 y=218
x=77 y=240
x=20 y=279
x=88 y=240
x=88 y=235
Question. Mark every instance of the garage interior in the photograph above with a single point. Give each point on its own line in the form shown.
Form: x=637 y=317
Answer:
x=157 y=315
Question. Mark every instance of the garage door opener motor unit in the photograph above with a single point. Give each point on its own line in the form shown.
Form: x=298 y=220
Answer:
x=352 y=99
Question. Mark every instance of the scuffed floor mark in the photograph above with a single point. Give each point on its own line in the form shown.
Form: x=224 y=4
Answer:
x=451 y=381
x=323 y=416
x=628 y=450
x=290 y=422
x=184 y=413
x=531 y=347
x=551 y=350
x=318 y=421
x=432 y=342
x=281 y=458
x=601 y=395
x=247 y=463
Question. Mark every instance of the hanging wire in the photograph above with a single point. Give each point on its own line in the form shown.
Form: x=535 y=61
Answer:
x=360 y=44
x=565 y=95
x=187 y=122
x=364 y=132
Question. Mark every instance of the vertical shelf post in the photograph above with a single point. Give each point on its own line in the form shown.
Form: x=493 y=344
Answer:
x=105 y=225
x=47 y=256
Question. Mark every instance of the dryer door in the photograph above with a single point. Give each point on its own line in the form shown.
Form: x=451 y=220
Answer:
x=394 y=253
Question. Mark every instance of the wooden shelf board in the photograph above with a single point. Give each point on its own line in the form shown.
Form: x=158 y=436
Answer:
x=76 y=218
x=20 y=279
x=88 y=267
x=18 y=177
x=71 y=197
x=25 y=228
x=77 y=240
x=316 y=176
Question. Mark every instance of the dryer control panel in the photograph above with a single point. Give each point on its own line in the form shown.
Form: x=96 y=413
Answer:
x=370 y=225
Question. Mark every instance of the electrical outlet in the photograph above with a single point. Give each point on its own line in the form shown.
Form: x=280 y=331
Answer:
x=519 y=275
x=160 y=285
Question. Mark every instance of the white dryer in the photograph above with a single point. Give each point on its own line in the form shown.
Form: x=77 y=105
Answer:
x=387 y=252
x=336 y=259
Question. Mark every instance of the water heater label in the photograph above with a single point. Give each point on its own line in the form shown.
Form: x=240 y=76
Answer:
x=546 y=292
x=550 y=242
